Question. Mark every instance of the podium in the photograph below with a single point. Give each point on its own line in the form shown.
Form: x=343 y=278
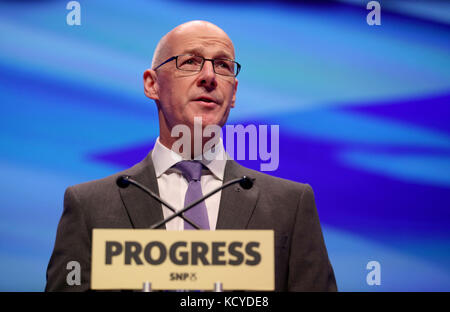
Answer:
x=148 y=260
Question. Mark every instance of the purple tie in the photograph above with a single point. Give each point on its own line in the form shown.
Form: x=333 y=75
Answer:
x=192 y=172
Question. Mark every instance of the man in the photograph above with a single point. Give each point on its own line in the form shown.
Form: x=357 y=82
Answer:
x=194 y=75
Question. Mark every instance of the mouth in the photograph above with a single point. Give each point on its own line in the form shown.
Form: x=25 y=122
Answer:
x=206 y=100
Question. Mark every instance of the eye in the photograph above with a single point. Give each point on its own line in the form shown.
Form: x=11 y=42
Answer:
x=223 y=64
x=191 y=61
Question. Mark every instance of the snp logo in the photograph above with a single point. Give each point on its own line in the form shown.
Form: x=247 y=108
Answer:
x=183 y=276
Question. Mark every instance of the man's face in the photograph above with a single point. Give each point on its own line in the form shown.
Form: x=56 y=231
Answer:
x=182 y=95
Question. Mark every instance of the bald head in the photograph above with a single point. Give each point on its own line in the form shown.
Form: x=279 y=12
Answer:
x=174 y=39
x=196 y=90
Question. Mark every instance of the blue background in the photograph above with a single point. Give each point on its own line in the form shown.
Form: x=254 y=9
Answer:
x=363 y=112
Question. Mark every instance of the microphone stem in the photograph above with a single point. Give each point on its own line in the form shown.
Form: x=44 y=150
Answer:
x=157 y=225
x=139 y=185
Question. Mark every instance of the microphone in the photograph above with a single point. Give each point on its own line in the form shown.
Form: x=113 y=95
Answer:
x=124 y=181
x=245 y=182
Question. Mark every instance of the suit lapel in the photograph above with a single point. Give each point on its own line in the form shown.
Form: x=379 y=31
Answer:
x=143 y=210
x=236 y=204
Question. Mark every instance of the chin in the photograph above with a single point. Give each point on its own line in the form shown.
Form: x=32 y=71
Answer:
x=208 y=120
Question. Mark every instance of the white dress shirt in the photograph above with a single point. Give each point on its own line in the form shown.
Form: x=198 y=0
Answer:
x=173 y=186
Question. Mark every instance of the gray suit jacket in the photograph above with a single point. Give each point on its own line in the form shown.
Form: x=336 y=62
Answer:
x=301 y=259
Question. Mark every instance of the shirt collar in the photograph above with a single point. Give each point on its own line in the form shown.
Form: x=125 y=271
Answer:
x=164 y=158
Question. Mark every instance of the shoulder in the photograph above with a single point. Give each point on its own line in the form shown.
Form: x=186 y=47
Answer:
x=94 y=187
x=105 y=187
x=274 y=187
x=270 y=181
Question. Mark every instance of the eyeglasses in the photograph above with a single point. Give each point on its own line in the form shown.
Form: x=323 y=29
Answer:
x=194 y=63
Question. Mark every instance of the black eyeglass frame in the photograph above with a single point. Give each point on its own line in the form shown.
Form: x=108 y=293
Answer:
x=201 y=66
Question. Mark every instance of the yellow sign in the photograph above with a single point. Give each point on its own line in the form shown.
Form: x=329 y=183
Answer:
x=191 y=260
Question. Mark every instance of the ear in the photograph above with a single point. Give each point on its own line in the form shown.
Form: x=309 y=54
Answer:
x=151 y=89
x=234 y=92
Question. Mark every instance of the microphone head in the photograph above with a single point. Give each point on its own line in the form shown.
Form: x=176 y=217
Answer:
x=122 y=181
x=246 y=183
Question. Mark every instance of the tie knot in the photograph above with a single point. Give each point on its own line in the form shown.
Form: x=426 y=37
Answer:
x=191 y=169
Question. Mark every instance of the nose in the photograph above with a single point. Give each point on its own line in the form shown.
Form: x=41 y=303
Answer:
x=207 y=76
